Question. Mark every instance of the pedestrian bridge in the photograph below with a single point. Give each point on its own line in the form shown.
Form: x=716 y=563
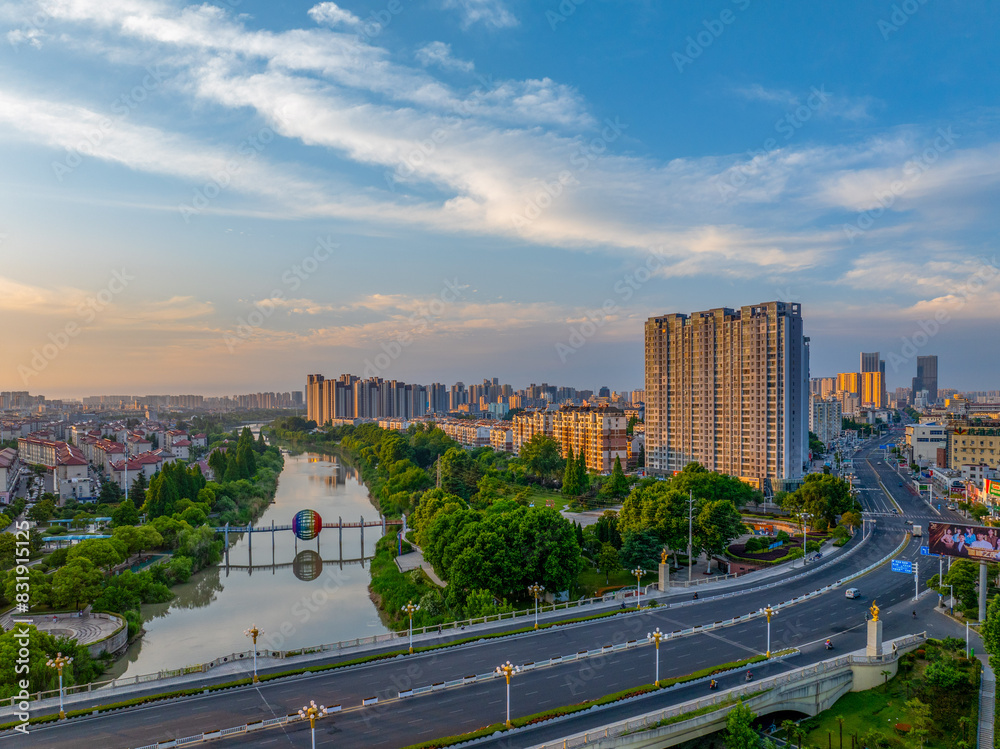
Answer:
x=809 y=690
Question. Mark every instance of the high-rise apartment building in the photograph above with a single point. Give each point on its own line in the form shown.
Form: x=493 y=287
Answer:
x=927 y=377
x=729 y=389
x=595 y=433
x=870 y=362
x=849 y=382
x=873 y=389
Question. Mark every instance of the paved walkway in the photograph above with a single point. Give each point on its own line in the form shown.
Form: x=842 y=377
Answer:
x=414 y=560
x=83 y=629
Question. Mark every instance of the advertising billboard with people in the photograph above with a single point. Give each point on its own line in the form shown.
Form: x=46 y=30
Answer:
x=976 y=542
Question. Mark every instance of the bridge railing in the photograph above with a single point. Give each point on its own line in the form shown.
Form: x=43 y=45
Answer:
x=723 y=699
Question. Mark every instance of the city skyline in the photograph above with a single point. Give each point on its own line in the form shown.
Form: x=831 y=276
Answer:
x=218 y=198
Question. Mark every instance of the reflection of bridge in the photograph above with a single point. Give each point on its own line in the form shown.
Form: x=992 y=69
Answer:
x=307 y=565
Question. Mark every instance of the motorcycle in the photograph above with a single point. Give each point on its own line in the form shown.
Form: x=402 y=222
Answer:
x=749 y=676
x=713 y=684
x=829 y=645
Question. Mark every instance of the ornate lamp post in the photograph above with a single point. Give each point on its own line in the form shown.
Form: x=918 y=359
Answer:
x=411 y=609
x=536 y=591
x=768 y=612
x=58 y=663
x=805 y=542
x=656 y=635
x=312 y=711
x=253 y=633
x=508 y=670
x=638 y=572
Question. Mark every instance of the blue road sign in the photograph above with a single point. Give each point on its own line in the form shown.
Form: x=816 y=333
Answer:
x=926 y=552
x=899 y=565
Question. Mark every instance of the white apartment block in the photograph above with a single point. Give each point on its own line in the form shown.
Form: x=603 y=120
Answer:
x=924 y=440
x=597 y=433
x=729 y=389
x=826 y=418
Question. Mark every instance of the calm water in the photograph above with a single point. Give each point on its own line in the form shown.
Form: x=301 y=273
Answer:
x=301 y=603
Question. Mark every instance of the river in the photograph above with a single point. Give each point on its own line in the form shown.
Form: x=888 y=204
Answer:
x=295 y=605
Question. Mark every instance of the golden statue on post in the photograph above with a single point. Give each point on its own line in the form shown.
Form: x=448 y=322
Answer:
x=663 y=556
x=874 y=610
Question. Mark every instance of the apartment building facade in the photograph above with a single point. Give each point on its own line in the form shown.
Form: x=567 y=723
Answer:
x=974 y=446
x=826 y=418
x=729 y=389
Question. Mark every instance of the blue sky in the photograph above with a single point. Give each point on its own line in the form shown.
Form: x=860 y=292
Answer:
x=224 y=197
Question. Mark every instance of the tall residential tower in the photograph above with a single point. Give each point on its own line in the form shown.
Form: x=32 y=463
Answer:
x=729 y=389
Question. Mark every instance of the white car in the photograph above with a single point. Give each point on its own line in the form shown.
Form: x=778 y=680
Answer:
x=852 y=593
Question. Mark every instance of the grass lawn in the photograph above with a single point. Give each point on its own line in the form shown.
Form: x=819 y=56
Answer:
x=539 y=495
x=591 y=580
x=881 y=708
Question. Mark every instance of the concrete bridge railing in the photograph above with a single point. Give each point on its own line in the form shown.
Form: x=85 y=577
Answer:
x=809 y=690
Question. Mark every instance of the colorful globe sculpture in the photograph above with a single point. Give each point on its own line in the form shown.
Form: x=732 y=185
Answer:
x=307 y=524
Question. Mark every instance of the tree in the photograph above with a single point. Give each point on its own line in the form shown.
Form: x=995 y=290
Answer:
x=101 y=552
x=608 y=561
x=990 y=632
x=921 y=721
x=719 y=522
x=581 y=476
x=125 y=514
x=570 y=484
x=78 y=581
x=740 y=733
x=606 y=529
x=641 y=460
x=617 y=485
x=42 y=511
x=138 y=538
x=640 y=549
x=541 y=455
x=840 y=725
x=110 y=492
x=851 y=519
x=36 y=591
x=138 y=490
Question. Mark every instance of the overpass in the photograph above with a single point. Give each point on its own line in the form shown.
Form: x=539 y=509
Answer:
x=809 y=690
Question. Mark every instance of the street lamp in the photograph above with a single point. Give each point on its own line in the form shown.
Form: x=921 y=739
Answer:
x=656 y=635
x=253 y=633
x=508 y=670
x=410 y=608
x=805 y=541
x=312 y=711
x=536 y=591
x=58 y=663
x=768 y=612
x=638 y=572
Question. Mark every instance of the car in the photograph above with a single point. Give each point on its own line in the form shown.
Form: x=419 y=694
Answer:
x=909 y=522
x=900 y=483
x=852 y=593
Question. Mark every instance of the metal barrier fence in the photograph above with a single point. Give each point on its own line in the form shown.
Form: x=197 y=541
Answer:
x=342 y=645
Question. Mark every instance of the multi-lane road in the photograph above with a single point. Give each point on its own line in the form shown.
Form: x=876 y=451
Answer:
x=461 y=709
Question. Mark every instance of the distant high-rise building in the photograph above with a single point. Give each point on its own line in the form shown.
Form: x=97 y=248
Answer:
x=873 y=389
x=729 y=389
x=604 y=392
x=849 y=382
x=870 y=362
x=927 y=377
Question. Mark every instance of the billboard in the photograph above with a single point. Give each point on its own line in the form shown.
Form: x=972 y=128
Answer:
x=992 y=488
x=976 y=542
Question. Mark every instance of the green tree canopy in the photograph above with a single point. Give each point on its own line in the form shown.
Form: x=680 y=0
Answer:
x=542 y=456
x=102 y=552
x=77 y=582
x=125 y=514
x=617 y=484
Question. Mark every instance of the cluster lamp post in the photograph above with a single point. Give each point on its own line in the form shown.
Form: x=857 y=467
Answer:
x=508 y=670
x=536 y=591
x=656 y=635
x=411 y=608
x=253 y=633
x=61 y=661
x=638 y=572
x=768 y=612
x=313 y=712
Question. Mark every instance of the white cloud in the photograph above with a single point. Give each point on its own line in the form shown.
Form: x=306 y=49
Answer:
x=331 y=14
x=492 y=13
x=439 y=53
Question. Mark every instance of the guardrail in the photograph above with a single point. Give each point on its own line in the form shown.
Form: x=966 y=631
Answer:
x=389 y=637
x=723 y=698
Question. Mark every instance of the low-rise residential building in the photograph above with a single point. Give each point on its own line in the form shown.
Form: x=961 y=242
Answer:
x=597 y=433
x=10 y=472
x=66 y=464
x=502 y=438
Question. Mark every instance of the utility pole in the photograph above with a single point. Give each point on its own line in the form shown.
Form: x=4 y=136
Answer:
x=690 y=527
x=916 y=581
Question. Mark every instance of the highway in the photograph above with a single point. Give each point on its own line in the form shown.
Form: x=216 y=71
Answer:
x=461 y=709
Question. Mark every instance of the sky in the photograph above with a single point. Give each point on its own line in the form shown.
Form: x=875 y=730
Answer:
x=224 y=197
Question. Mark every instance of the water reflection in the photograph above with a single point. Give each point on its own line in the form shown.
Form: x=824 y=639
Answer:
x=299 y=592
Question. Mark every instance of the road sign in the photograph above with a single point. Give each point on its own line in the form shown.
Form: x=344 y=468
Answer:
x=925 y=551
x=899 y=565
